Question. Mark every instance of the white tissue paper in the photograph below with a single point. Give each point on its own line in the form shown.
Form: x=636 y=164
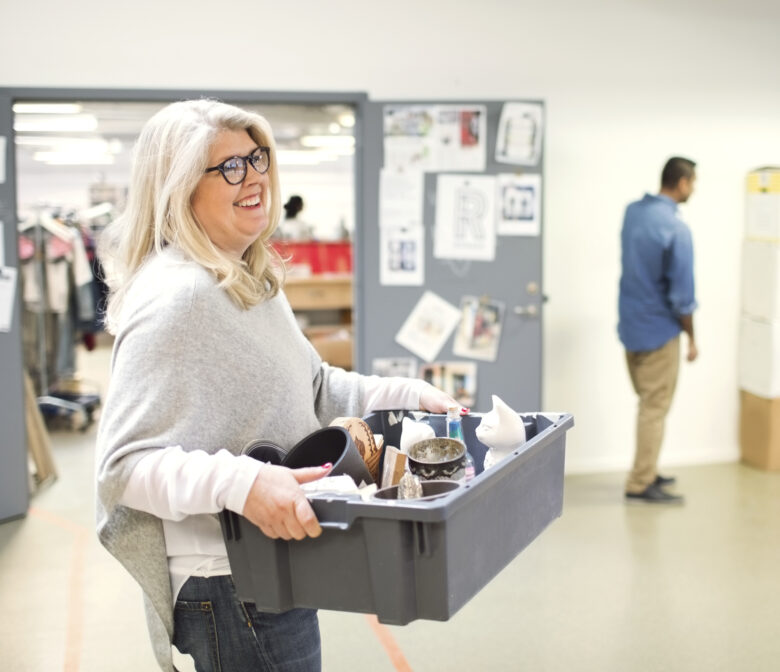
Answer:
x=501 y=430
x=337 y=485
x=412 y=432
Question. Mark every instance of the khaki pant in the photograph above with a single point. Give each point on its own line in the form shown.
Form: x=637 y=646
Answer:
x=654 y=377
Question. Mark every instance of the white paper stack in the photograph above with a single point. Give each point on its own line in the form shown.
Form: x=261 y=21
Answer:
x=759 y=339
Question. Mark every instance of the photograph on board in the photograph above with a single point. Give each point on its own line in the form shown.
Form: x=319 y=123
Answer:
x=479 y=331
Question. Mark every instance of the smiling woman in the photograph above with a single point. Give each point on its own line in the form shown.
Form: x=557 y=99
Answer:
x=208 y=357
x=232 y=210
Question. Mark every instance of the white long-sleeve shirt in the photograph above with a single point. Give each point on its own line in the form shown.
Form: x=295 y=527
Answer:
x=174 y=485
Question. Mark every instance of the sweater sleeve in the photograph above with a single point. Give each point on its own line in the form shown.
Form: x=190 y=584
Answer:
x=173 y=484
x=393 y=392
x=148 y=396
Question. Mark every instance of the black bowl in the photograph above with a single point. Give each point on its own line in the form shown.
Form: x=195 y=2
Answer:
x=329 y=444
x=431 y=490
x=438 y=458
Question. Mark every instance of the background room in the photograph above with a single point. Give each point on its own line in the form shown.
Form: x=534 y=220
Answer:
x=625 y=85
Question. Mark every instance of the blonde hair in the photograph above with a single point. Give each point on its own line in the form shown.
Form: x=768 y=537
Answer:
x=170 y=157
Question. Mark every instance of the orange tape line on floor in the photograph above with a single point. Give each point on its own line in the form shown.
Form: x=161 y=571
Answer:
x=389 y=644
x=74 y=633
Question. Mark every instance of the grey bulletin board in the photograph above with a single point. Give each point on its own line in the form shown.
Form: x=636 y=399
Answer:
x=513 y=278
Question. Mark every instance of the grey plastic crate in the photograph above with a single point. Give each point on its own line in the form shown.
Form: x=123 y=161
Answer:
x=404 y=560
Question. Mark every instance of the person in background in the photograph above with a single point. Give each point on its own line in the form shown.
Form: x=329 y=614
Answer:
x=656 y=303
x=207 y=358
x=293 y=228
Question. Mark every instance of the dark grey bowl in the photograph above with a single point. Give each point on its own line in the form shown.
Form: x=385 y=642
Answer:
x=431 y=490
x=438 y=458
x=265 y=451
x=329 y=444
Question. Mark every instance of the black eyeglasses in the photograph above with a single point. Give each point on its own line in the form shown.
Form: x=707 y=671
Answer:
x=234 y=168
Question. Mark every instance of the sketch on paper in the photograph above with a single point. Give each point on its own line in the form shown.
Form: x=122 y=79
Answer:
x=519 y=205
x=435 y=137
x=520 y=133
x=409 y=142
x=479 y=332
x=428 y=326
x=465 y=217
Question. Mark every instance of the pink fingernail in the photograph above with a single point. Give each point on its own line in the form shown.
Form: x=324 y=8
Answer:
x=327 y=465
x=465 y=410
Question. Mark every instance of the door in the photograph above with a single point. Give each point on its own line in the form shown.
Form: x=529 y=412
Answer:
x=511 y=280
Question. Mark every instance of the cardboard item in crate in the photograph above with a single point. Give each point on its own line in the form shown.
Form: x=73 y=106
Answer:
x=364 y=441
x=759 y=431
x=405 y=560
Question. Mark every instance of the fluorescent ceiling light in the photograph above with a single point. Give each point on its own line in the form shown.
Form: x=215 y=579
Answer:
x=347 y=120
x=47 y=108
x=77 y=123
x=61 y=143
x=302 y=157
x=74 y=158
x=329 y=141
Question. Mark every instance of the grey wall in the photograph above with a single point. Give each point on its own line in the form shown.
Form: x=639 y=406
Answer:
x=14 y=494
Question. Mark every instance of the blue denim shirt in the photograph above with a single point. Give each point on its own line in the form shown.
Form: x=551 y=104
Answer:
x=656 y=286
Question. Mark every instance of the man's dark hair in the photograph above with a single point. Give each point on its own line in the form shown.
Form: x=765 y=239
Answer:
x=675 y=169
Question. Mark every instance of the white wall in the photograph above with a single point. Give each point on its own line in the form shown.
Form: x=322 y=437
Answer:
x=627 y=84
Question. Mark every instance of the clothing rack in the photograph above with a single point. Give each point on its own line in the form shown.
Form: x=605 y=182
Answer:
x=50 y=402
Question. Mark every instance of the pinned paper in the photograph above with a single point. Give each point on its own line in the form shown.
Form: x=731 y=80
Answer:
x=519 y=205
x=402 y=256
x=480 y=328
x=406 y=367
x=7 y=295
x=2 y=158
x=428 y=326
x=456 y=378
x=520 y=134
x=465 y=217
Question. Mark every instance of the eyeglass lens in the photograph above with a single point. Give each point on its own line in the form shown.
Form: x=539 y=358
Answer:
x=234 y=169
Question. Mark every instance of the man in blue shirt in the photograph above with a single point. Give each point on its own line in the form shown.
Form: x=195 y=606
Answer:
x=656 y=303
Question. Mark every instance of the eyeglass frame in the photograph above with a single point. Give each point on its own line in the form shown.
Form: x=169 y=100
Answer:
x=247 y=161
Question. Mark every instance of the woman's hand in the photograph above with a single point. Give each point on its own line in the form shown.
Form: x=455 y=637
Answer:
x=434 y=400
x=278 y=506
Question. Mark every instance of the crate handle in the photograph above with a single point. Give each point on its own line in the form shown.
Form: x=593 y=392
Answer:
x=422 y=535
x=332 y=513
x=332 y=525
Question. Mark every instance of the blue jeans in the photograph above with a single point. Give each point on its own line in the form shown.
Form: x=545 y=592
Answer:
x=223 y=634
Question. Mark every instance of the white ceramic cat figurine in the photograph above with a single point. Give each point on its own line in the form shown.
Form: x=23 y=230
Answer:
x=501 y=430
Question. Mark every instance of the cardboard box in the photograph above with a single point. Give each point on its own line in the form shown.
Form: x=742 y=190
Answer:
x=761 y=280
x=758 y=369
x=762 y=212
x=759 y=431
x=334 y=344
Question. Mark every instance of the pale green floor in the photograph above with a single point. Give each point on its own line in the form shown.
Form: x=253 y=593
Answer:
x=607 y=587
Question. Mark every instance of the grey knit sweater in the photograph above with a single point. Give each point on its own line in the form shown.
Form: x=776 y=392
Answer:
x=190 y=368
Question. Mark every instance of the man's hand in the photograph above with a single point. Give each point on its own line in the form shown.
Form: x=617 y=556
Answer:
x=693 y=351
x=278 y=506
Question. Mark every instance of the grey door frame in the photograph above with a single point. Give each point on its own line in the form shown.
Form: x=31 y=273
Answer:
x=14 y=496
